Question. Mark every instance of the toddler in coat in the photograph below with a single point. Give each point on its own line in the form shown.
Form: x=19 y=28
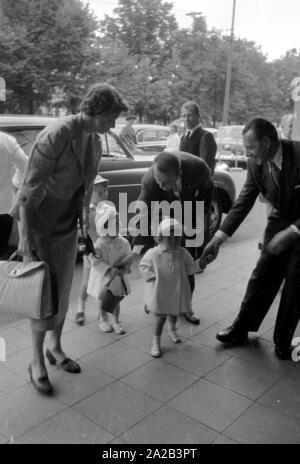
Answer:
x=165 y=270
x=110 y=248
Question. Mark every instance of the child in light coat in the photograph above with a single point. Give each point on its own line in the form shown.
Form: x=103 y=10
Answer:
x=111 y=248
x=165 y=270
x=99 y=194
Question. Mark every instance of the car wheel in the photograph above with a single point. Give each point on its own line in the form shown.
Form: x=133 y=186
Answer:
x=216 y=212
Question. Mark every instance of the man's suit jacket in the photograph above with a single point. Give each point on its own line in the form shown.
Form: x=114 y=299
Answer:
x=197 y=185
x=285 y=199
x=201 y=143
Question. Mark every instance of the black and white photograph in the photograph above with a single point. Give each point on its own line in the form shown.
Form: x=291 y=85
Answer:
x=149 y=225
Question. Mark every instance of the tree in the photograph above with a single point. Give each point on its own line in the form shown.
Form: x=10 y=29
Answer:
x=284 y=71
x=45 y=45
x=146 y=27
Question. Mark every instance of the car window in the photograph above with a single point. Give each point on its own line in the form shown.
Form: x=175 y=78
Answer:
x=111 y=148
x=163 y=134
x=147 y=135
x=25 y=138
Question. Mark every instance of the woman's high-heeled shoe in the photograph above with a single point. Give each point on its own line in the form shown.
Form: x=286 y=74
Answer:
x=67 y=364
x=41 y=384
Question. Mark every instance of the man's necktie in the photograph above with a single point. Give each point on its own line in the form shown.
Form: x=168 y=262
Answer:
x=275 y=173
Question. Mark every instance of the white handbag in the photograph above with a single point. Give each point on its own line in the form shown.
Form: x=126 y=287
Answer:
x=25 y=290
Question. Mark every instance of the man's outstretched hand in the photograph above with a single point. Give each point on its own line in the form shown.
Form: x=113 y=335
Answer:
x=210 y=252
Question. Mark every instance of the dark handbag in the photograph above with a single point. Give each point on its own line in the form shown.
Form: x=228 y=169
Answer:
x=85 y=243
x=25 y=290
x=108 y=301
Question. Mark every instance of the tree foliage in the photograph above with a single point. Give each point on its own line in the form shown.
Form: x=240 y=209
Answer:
x=51 y=50
x=44 y=44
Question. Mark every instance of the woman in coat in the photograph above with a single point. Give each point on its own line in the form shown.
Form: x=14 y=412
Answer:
x=62 y=167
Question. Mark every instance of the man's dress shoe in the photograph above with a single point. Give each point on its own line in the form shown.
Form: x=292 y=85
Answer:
x=233 y=336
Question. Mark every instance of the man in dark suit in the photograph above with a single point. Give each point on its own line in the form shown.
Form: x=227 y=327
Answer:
x=175 y=177
x=274 y=171
x=196 y=140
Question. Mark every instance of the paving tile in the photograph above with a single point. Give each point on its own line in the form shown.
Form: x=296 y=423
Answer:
x=262 y=425
x=15 y=340
x=117 y=407
x=3 y=440
x=160 y=380
x=9 y=381
x=117 y=359
x=198 y=360
x=141 y=340
x=67 y=427
x=223 y=440
x=136 y=311
x=244 y=378
x=188 y=330
x=25 y=408
x=71 y=388
x=232 y=276
x=210 y=404
x=203 y=291
x=118 y=441
x=284 y=397
x=167 y=426
x=208 y=338
x=22 y=324
x=224 y=302
x=240 y=287
x=83 y=341
x=262 y=354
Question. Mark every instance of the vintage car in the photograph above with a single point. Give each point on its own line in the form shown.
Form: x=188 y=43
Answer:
x=230 y=146
x=151 y=138
x=119 y=166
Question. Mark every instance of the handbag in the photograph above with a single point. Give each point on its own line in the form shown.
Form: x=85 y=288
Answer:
x=25 y=289
x=85 y=244
x=108 y=301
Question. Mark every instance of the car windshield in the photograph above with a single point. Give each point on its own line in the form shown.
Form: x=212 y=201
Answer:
x=231 y=132
x=25 y=137
x=110 y=147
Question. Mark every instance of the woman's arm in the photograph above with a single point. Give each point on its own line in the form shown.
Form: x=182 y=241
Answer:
x=26 y=242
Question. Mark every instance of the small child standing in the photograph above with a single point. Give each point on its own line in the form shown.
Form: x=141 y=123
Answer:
x=99 y=194
x=165 y=270
x=111 y=248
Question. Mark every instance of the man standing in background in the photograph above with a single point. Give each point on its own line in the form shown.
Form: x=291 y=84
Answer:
x=196 y=140
x=127 y=134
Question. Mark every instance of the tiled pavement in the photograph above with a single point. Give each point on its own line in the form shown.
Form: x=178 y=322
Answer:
x=198 y=392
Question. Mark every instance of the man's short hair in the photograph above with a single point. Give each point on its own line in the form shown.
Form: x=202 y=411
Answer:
x=103 y=98
x=262 y=128
x=192 y=104
x=167 y=162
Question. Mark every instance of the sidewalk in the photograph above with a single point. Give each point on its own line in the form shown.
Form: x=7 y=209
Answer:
x=198 y=392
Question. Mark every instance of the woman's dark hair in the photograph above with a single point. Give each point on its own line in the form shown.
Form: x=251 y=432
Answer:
x=262 y=128
x=103 y=98
x=167 y=162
